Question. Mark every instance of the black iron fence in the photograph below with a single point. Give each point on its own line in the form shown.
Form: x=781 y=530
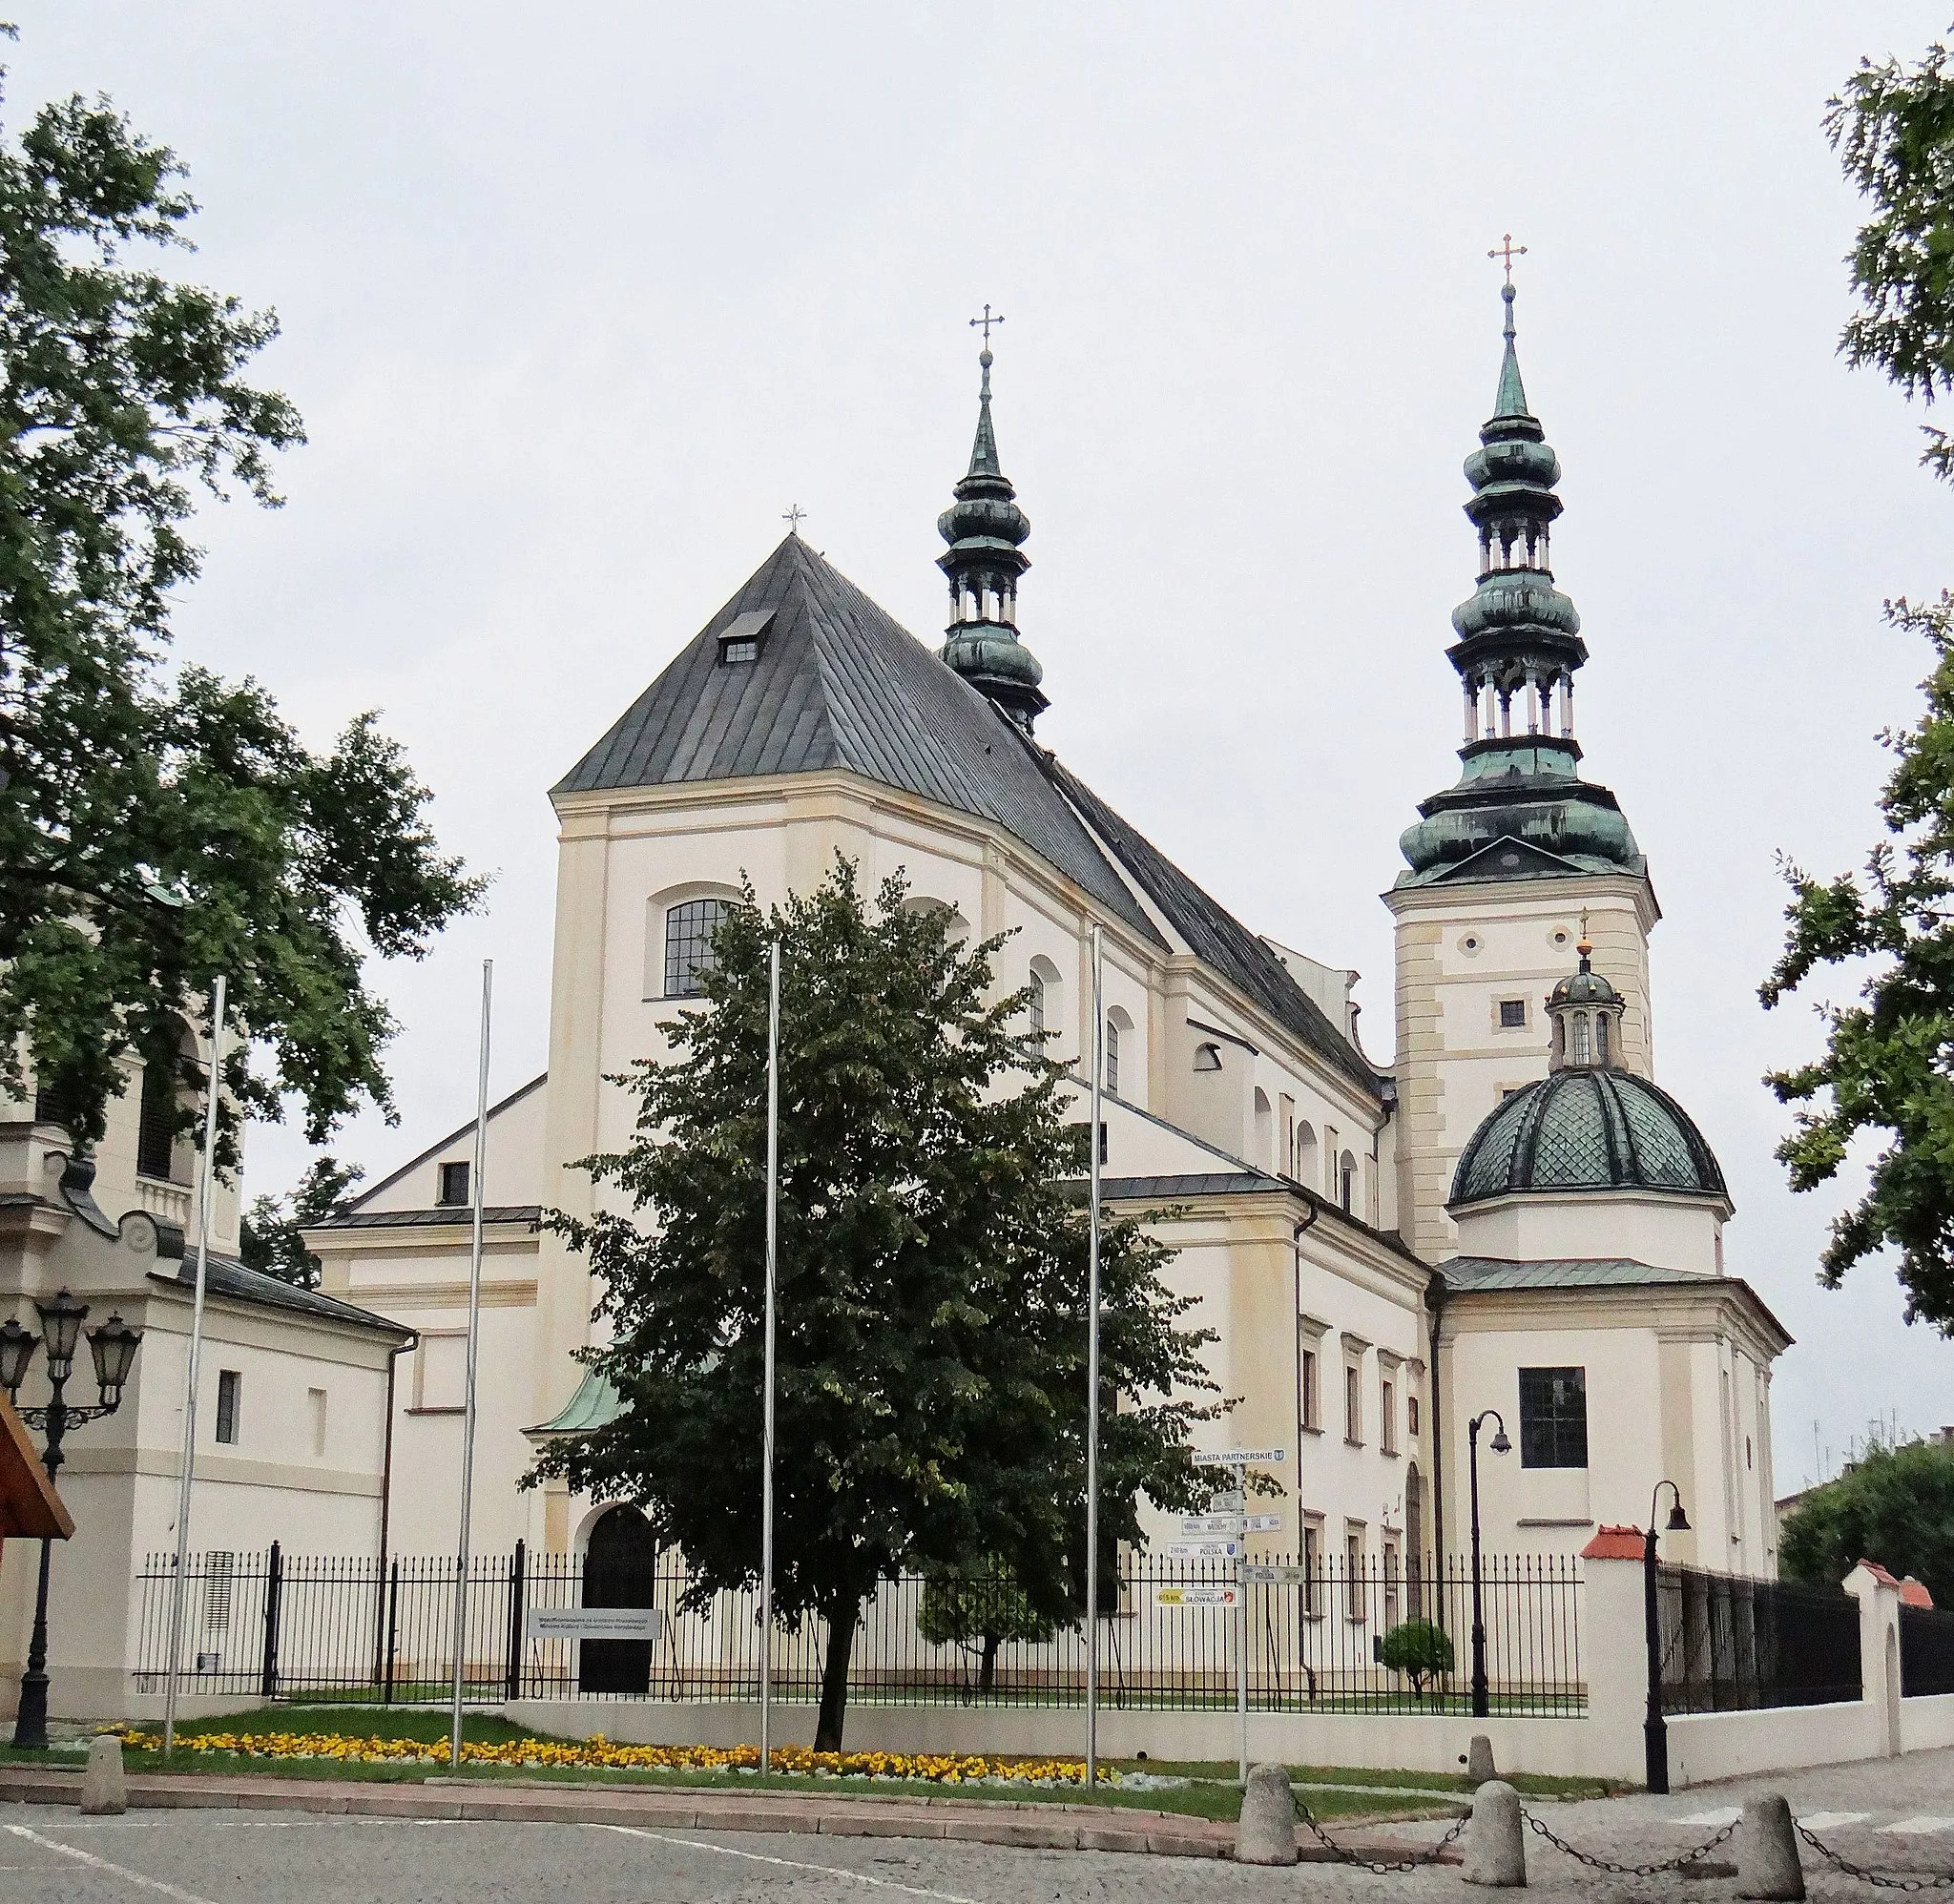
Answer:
x=1926 y=1651
x=1728 y=1643
x=1373 y=1639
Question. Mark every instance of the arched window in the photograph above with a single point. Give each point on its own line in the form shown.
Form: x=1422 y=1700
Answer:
x=1580 y=1038
x=1265 y=1129
x=1346 y=1181
x=1036 y=1010
x=1117 y=1026
x=1207 y=1057
x=1304 y=1166
x=689 y=930
x=1047 y=1000
x=159 y=1152
x=1601 y=1037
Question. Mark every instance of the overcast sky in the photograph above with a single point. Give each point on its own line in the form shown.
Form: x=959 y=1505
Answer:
x=578 y=299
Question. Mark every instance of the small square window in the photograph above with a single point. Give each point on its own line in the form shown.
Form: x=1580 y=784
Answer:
x=454 y=1184
x=1512 y=1014
x=738 y=654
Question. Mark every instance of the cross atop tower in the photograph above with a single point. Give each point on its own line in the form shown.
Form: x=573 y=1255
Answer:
x=794 y=517
x=1505 y=251
x=984 y=323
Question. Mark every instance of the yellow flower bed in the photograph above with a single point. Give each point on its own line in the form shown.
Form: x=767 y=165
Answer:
x=607 y=1754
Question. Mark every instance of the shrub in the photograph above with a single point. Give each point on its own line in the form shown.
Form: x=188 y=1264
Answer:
x=1419 y=1649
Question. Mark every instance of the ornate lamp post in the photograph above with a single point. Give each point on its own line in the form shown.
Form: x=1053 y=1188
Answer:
x=1482 y=1697
x=1655 y=1727
x=114 y=1346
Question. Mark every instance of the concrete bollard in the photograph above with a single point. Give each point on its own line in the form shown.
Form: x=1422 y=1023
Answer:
x=1266 y=1830
x=1479 y=1765
x=1495 y=1851
x=1767 y=1861
x=104 y=1791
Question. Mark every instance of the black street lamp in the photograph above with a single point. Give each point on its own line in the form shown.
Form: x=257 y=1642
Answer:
x=114 y=1346
x=1655 y=1727
x=1482 y=1697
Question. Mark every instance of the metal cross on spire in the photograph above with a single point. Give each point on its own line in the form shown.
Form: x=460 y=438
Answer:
x=1505 y=251
x=984 y=323
x=794 y=516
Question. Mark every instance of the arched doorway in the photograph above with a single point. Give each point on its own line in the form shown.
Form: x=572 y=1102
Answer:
x=620 y=1569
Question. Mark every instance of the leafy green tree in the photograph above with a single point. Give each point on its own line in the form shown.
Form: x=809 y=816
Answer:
x=127 y=788
x=1894 y=1506
x=978 y=1609
x=1887 y=1070
x=269 y=1238
x=1421 y=1650
x=932 y=1281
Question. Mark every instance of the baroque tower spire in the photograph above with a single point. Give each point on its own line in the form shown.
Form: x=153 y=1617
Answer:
x=986 y=531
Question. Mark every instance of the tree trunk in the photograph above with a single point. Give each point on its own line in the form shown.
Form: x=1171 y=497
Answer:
x=842 y=1616
x=987 y=1673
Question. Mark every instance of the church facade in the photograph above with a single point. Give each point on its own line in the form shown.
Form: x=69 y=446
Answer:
x=1512 y=1218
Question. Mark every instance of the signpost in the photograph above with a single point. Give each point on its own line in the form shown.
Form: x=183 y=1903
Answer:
x=1205 y=1550
x=1266 y=1573
x=1197 y=1595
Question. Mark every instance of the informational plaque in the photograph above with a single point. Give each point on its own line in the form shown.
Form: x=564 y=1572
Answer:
x=596 y=1623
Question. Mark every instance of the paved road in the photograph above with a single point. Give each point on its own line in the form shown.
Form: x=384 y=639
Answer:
x=1895 y=1816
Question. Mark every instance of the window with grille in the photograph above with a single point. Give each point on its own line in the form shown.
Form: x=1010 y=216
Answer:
x=1553 y=1417
x=1512 y=1014
x=454 y=1183
x=738 y=654
x=156 y=1129
x=689 y=930
x=229 y=1394
x=1112 y=1056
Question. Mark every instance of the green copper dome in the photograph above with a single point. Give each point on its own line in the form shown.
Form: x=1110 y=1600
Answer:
x=1596 y=1129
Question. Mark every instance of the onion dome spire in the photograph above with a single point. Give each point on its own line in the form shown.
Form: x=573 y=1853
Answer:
x=985 y=530
x=1519 y=647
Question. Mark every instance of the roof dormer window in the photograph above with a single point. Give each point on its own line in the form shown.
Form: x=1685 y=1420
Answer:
x=740 y=644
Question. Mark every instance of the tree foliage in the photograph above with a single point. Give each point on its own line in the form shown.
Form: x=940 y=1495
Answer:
x=978 y=1609
x=125 y=784
x=931 y=1291
x=1887 y=1070
x=1421 y=1650
x=269 y=1239
x=1896 y=1506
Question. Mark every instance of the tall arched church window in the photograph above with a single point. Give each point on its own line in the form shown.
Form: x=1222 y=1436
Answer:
x=1347 y=1182
x=1265 y=1129
x=1035 y=1009
x=1601 y=1036
x=1110 y=1080
x=156 y=1129
x=689 y=931
x=1580 y=1038
x=1304 y=1165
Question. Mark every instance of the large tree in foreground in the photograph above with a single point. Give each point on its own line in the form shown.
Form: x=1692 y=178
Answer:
x=932 y=1284
x=1887 y=1070
x=158 y=826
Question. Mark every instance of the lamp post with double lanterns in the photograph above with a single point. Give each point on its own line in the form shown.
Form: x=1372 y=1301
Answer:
x=1482 y=1696
x=1655 y=1727
x=114 y=1346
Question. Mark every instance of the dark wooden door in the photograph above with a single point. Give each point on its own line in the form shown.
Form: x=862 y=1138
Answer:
x=620 y=1569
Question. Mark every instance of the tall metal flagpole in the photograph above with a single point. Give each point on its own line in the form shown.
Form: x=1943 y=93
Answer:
x=766 y=1495
x=477 y=1172
x=186 y=1460
x=1093 y=1377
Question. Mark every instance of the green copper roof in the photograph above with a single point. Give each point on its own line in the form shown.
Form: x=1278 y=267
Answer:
x=1512 y=399
x=1596 y=1129
x=594 y=1405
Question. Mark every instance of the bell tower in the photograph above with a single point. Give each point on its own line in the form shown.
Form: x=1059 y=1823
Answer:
x=1522 y=856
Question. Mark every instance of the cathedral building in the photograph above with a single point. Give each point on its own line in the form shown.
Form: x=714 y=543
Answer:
x=1511 y=1216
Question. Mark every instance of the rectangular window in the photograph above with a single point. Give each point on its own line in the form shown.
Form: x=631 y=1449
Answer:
x=1388 y=1416
x=689 y=933
x=1390 y=1585
x=1312 y=1568
x=1311 y=1405
x=1553 y=1417
x=230 y=1395
x=1353 y=1403
x=1357 y=1588
x=440 y=1379
x=1512 y=1014
x=156 y=1127
x=738 y=654
x=454 y=1184
x=314 y=1410
x=1411 y=1415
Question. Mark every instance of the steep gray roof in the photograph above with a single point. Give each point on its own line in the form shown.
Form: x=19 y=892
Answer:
x=228 y=1277
x=839 y=683
x=1212 y=932
x=1475 y=1272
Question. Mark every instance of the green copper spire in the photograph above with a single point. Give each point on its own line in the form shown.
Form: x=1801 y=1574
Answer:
x=1518 y=650
x=985 y=530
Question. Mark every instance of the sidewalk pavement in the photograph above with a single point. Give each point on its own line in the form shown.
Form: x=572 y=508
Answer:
x=1025 y=1824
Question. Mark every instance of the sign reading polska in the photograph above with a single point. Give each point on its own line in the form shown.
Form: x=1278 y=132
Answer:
x=1204 y=1550
x=1196 y=1596
x=1267 y=1574
x=1245 y=1457
x=595 y=1622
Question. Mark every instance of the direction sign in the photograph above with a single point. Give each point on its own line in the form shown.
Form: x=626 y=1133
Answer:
x=1211 y=1524
x=1203 y=1550
x=1196 y=1596
x=1275 y=1576
x=1230 y=1501
x=1246 y=1458
x=1261 y=1523
x=596 y=1623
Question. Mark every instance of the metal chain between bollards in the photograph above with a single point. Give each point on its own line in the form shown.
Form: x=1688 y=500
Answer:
x=1945 y=1881
x=1380 y=1867
x=1594 y=1863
